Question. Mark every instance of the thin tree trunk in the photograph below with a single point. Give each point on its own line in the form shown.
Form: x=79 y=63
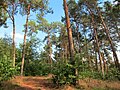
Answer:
x=13 y=40
x=50 y=51
x=66 y=50
x=24 y=43
x=96 y=38
x=70 y=39
x=86 y=49
x=63 y=52
x=14 y=50
x=96 y=61
x=109 y=39
x=104 y=62
x=78 y=37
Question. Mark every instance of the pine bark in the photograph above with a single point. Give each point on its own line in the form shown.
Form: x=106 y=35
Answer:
x=13 y=40
x=24 y=43
x=70 y=39
x=69 y=30
x=50 y=51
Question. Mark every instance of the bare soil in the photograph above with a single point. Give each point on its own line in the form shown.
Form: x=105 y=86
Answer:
x=45 y=83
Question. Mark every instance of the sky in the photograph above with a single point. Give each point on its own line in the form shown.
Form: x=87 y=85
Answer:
x=57 y=8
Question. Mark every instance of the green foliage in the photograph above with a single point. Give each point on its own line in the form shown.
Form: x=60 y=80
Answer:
x=37 y=68
x=63 y=73
x=112 y=74
x=3 y=16
x=97 y=75
x=85 y=74
x=6 y=70
x=39 y=6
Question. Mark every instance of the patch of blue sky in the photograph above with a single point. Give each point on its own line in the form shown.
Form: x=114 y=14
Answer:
x=57 y=7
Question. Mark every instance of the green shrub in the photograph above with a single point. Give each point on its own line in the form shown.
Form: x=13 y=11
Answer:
x=6 y=70
x=37 y=68
x=63 y=74
x=90 y=74
x=85 y=74
x=112 y=74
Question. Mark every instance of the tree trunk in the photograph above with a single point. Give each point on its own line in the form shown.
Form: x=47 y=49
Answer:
x=70 y=39
x=24 y=43
x=69 y=30
x=109 y=39
x=96 y=38
x=96 y=61
x=50 y=51
x=78 y=37
x=66 y=53
x=13 y=40
x=14 y=50
x=104 y=62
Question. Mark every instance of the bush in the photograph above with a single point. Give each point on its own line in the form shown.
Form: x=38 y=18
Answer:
x=113 y=74
x=85 y=74
x=63 y=74
x=6 y=70
x=90 y=74
x=36 y=68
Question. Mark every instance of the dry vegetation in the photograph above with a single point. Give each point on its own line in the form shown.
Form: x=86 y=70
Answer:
x=45 y=83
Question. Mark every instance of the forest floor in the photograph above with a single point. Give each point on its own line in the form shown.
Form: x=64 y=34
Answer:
x=45 y=83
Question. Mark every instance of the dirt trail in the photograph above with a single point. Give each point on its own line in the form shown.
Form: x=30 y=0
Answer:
x=44 y=83
x=30 y=83
x=33 y=83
